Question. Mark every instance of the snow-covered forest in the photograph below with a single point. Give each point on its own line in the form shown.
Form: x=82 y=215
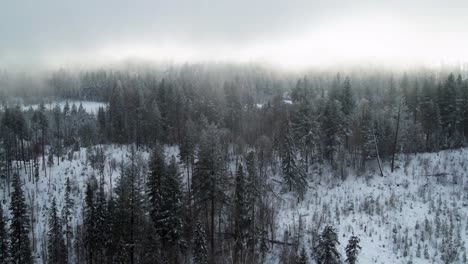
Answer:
x=234 y=164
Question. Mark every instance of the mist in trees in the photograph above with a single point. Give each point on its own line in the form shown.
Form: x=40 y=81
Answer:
x=236 y=132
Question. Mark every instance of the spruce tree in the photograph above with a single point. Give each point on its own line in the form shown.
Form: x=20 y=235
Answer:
x=117 y=114
x=209 y=182
x=89 y=221
x=67 y=213
x=331 y=126
x=252 y=194
x=20 y=245
x=164 y=192
x=4 y=239
x=129 y=209
x=56 y=248
x=347 y=99
x=102 y=226
x=326 y=251
x=241 y=216
x=292 y=172
x=352 y=250
x=200 y=252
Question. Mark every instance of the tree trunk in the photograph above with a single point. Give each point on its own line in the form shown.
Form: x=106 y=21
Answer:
x=396 y=136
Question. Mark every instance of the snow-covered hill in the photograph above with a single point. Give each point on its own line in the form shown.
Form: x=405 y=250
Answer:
x=418 y=213
x=422 y=206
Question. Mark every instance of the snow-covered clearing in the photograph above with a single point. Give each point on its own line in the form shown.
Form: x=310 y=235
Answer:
x=392 y=215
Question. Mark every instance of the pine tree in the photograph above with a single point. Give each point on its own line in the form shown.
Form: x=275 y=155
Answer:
x=67 y=213
x=36 y=170
x=252 y=194
x=347 y=99
x=129 y=209
x=20 y=245
x=209 y=182
x=102 y=226
x=89 y=221
x=292 y=172
x=352 y=250
x=57 y=115
x=4 y=240
x=200 y=252
x=187 y=148
x=117 y=115
x=101 y=118
x=331 y=127
x=56 y=248
x=165 y=195
x=241 y=216
x=326 y=251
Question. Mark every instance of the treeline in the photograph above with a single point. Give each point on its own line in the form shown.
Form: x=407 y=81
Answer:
x=30 y=137
x=346 y=121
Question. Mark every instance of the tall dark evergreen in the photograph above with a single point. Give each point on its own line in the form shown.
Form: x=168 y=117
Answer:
x=332 y=131
x=165 y=197
x=129 y=212
x=20 y=244
x=56 y=248
x=89 y=221
x=209 y=179
x=117 y=114
x=326 y=252
x=200 y=252
x=253 y=187
x=293 y=173
x=102 y=226
x=347 y=98
x=352 y=250
x=4 y=239
x=67 y=215
x=241 y=216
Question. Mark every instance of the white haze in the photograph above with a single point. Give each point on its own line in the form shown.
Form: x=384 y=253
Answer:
x=289 y=34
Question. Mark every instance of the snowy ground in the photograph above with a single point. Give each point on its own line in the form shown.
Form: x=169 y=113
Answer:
x=387 y=213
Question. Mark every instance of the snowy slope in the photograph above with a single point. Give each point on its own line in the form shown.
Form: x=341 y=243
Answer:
x=381 y=211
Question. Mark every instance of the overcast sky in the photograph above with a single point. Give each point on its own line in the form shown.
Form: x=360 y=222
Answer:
x=292 y=33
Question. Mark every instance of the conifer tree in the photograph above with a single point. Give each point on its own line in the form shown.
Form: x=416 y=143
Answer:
x=56 y=248
x=20 y=245
x=326 y=251
x=164 y=192
x=209 y=179
x=4 y=239
x=241 y=216
x=89 y=221
x=352 y=250
x=252 y=195
x=292 y=172
x=129 y=209
x=102 y=226
x=331 y=127
x=200 y=251
x=67 y=213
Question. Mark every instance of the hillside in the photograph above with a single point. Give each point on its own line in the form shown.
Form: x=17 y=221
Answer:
x=419 y=213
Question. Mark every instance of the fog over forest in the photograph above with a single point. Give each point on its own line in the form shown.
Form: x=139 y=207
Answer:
x=202 y=132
